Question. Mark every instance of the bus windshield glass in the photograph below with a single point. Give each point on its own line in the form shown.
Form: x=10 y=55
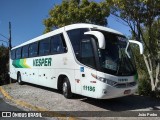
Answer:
x=113 y=58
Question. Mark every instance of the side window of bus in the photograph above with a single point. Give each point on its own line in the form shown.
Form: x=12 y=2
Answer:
x=44 y=47
x=87 y=54
x=33 y=49
x=18 y=53
x=57 y=45
x=76 y=37
x=13 y=55
x=25 y=51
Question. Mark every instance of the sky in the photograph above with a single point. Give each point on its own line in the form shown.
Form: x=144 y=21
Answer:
x=26 y=17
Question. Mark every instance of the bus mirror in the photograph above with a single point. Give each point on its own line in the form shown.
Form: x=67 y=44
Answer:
x=135 y=42
x=99 y=36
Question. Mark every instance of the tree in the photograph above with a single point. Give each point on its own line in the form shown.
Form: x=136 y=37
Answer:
x=76 y=11
x=142 y=16
x=4 y=57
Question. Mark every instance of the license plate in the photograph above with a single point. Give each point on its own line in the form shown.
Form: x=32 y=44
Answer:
x=127 y=92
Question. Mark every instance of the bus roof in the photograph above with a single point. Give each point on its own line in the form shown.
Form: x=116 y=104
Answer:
x=66 y=28
x=85 y=25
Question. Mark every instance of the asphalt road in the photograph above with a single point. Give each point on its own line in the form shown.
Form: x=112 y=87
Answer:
x=5 y=107
x=52 y=100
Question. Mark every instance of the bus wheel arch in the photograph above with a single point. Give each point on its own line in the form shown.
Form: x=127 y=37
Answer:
x=65 y=86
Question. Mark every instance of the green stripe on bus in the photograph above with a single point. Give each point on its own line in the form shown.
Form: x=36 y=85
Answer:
x=20 y=63
x=14 y=64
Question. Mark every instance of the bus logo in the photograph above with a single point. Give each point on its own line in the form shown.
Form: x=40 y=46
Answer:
x=42 y=62
x=122 y=80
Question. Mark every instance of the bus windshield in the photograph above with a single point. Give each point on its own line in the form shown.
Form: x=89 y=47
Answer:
x=113 y=58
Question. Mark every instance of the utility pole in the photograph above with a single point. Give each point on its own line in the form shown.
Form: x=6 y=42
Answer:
x=10 y=47
x=9 y=40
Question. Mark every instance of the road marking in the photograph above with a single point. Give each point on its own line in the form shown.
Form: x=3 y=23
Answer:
x=32 y=107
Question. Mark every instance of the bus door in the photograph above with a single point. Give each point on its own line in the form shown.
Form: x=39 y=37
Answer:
x=85 y=83
x=78 y=81
x=88 y=82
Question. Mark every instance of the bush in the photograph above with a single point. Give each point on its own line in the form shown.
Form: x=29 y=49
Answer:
x=156 y=93
x=4 y=58
x=144 y=87
x=1 y=81
x=4 y=79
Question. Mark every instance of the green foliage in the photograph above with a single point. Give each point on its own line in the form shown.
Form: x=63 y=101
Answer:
x=76 y=11
x=142 y=16
x=4 y=57
x=142 y=70
x=156 y=93
x=139 y=15
x=154 y=33
x=140 y=65
x=144 y=87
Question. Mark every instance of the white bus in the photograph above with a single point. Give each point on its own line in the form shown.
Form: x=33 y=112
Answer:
x=84 y=59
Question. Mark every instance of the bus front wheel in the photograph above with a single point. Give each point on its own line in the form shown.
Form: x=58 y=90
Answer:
x=19 y=79
x=66 y=88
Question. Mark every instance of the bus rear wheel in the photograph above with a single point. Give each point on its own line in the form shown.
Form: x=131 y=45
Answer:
x=66 y=88
x=19 y=79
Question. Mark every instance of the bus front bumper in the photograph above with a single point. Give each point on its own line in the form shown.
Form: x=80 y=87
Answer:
x=109 y=92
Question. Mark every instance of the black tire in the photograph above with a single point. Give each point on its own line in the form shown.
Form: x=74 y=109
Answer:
x=66 y=88
x=19 y=79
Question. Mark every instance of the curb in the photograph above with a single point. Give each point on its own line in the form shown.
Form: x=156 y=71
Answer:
x=32 y=107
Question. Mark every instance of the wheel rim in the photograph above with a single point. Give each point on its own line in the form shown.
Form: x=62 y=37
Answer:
x=65 y=88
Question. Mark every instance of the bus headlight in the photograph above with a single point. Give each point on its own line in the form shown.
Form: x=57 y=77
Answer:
x=105 y=80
